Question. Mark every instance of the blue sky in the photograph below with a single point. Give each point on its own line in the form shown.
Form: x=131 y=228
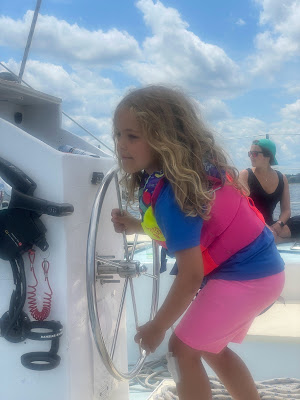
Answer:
x=238 y=59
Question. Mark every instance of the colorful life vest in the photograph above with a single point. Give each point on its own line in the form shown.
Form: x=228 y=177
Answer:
x=148 y=193
x=234 y=223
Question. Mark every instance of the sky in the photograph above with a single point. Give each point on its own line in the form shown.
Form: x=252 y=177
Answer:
x=239 y=59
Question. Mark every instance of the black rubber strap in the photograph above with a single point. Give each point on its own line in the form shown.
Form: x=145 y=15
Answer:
x=40 y=360
x=55 y=330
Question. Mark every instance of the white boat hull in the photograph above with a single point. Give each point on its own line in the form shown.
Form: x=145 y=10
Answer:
x=61 y=178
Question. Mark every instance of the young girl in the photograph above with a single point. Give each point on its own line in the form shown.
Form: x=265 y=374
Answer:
x=192 y=203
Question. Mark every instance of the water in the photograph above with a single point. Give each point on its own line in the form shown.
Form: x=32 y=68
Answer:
x=295 y=198
x=295 y=201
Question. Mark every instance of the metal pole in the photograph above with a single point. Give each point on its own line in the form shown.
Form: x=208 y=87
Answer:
x=26 y=51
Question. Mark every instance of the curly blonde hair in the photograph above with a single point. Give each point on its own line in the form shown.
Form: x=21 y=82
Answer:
x=172 y=127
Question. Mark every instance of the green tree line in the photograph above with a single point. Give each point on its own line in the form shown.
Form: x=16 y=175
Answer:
x=293 y=178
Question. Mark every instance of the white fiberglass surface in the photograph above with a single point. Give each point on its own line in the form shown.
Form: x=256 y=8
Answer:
x=62 y=178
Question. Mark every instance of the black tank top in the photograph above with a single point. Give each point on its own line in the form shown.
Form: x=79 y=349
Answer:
x=264 y=201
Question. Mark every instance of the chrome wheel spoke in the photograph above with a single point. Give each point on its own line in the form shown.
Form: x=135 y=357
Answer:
x=134 y=303
x=116 y=332
x=135 y=310
x=149 y=275
x=134 y=246
x=156 y=272
x=108 y=262
x=121 y=210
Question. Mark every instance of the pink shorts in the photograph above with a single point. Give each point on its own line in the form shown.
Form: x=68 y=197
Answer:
x=224 y=310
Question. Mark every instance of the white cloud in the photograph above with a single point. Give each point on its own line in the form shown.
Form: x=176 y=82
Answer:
x=69 y=42
x=171 y=54
x=293 y=88
x=239 y=128
x=240 y=22
x=280 y=42
x=175 y=55
x=158 y=17
x=291 y=111
x=214 y=110
x=287 y=139
x=236 y=136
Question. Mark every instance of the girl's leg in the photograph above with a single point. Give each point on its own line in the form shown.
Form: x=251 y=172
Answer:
x=194 y=382
x=233 y=373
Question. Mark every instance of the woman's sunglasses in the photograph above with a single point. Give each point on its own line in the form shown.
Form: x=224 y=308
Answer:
x=254 y=153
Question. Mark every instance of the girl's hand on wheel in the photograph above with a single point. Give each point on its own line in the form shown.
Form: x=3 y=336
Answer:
x=125 y=222
x=150 y=336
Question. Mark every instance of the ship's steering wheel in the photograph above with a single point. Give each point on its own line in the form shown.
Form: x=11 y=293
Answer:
x=128 y=269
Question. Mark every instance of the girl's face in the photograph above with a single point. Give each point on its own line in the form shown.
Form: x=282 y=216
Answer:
x=133 y=150
x=257 y=158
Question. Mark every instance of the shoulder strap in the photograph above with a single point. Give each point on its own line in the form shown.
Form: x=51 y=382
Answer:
x=280 y=186
x=253 y=182
x=280 y=176
x=157 y=191
x=216 y=181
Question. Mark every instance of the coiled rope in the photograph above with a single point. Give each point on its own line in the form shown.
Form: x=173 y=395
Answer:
x=155 y=372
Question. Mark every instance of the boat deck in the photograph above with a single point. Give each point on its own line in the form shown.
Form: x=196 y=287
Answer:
x=280 y=322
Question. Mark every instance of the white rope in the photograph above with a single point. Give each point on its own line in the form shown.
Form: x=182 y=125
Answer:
x=155 y=372
x=273 y=389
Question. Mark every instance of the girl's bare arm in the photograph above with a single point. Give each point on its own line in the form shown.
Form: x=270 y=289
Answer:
x=186 y=285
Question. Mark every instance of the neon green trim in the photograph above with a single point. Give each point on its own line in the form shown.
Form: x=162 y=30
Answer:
x=150 y=226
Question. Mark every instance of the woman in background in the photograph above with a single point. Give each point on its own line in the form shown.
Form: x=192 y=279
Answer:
x=269 y=187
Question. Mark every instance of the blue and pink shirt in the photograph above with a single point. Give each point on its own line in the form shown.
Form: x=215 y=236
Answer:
x=258 y=259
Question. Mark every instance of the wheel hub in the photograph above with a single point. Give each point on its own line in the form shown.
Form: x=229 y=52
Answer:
x=123 y=268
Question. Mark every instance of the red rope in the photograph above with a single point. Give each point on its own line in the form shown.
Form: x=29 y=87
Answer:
x=32 y=302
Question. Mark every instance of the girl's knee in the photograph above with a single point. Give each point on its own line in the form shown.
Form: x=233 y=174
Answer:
x=215 y=357
x=174 y=344
x=180 y=349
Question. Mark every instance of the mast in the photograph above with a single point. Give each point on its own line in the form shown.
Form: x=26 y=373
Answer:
x=28 y=44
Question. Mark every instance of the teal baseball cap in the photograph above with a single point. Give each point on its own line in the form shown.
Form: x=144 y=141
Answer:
x=269 y=147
